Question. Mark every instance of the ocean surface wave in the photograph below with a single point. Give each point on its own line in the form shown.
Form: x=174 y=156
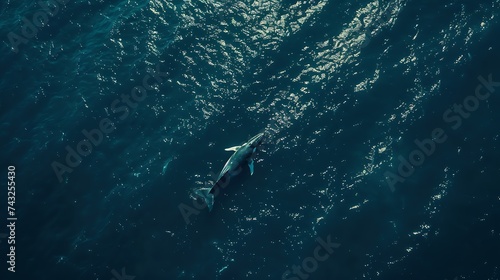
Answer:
x=342 y=89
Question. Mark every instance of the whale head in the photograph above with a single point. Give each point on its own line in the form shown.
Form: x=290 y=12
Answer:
x=256 y=141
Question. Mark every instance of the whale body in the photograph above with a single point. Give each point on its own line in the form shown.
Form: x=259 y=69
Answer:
x=242 y=155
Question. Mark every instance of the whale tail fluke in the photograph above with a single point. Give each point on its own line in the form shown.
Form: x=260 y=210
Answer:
x=207 y=197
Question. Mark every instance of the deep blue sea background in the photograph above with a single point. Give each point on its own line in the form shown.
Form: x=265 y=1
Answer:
x=342 y=88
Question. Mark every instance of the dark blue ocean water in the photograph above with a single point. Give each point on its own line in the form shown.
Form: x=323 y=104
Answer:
x=344 y=90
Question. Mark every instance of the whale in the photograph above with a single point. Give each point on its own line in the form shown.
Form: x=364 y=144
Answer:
x=243 y=155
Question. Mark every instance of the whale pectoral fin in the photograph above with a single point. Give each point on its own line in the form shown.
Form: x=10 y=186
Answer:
x=233 y=149
x=250 y=165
